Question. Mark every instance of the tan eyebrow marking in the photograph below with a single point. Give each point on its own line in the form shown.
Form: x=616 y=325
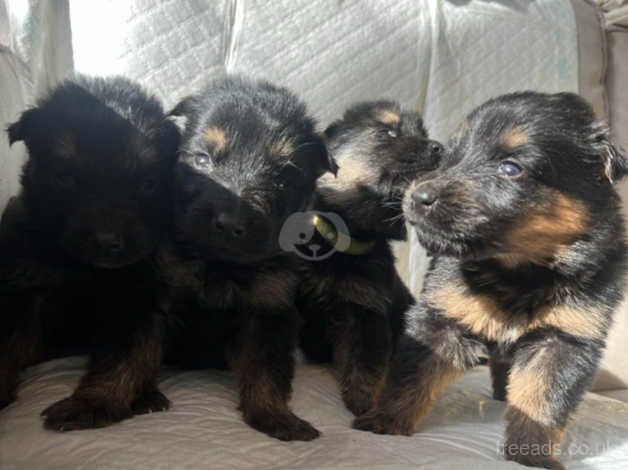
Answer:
x=282 y=148
x=386 y=116
x=216 y=137
x=515 y=137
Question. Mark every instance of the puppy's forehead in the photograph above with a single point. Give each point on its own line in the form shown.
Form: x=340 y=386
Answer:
x=65 y=145
x=122 y=150
x=249 y=136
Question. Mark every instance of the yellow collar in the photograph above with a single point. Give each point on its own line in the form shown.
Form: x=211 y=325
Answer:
x=330 y=234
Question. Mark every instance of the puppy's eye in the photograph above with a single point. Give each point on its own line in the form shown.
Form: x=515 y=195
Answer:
x=510 y=169
x=280 y=186
x=201 y=160
x=436 y=149
x=149 y=185
x=392 y=133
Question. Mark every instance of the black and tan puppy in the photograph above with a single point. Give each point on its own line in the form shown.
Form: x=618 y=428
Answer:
x=528 y=240
x=352 y=300
x=76 y=247
x=249 y=158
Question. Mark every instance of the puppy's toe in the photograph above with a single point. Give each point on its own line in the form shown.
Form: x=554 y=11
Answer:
x=380 y=423
x=358 y=401
x=284 y=426
x=74 y=413
x=150 y=401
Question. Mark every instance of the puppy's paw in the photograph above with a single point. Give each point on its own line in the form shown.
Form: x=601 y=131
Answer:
x=6 y=398
x=7 y=393
x=381 y=423
x=499 y=394
x=285 y=426
x=5 y=402
x=74 y=413
x=149 y=402
x=358 y=400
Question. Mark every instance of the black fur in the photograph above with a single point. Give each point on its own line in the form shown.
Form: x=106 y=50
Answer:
x=76 y=247
x=529 y=266
x=249 y=158
x=353 y=305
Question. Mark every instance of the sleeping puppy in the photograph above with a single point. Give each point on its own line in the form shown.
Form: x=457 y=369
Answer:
x=249 y=158
x=76 y=247
x=525 y=226
x=353 y=301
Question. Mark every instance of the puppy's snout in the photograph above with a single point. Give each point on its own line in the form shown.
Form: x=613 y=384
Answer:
x=110 y=242
x=229 y=224
x=424 y=197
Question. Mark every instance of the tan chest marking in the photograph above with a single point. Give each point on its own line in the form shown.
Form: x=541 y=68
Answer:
x=482 y=315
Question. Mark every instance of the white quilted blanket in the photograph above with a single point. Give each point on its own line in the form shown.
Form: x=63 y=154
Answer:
x=203 y=430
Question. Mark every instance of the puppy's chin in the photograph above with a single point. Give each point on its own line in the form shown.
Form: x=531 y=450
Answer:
x=231 y=252
x=440 y=241
x=243 y=257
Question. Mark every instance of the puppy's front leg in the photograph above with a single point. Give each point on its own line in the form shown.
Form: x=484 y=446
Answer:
x=550 y=373
x=20 y=340
x=119 y=382
x=499 y=377
x=361 y=340
x=264 y=363
x=432 y=354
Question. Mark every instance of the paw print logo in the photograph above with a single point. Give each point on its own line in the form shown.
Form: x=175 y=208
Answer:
x=298 y=235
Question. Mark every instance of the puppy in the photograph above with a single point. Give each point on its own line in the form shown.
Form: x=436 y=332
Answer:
x=249 y=158
x=76 y=247
x=529 y=265
x=353 y=301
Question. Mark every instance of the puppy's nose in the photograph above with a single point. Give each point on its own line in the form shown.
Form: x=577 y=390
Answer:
x=110 y=242
x=229 y=224
x=426 y=198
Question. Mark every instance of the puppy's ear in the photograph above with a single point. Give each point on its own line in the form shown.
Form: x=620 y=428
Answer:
x=613 y=158
x=24 y=128
x=324 y=161
x=179 y=121
x=181 y=113
x=169 y=138
x=333 y=130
